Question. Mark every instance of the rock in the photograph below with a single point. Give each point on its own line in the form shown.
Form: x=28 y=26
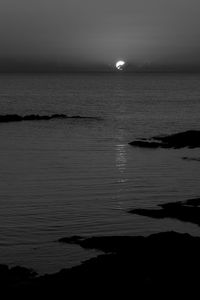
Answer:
x=158 y=265
x=71 y=240
x=187 y=211
x=166 y=261
x=15 y=275
x=17 y=118
x=190 y=139
x=191 y=158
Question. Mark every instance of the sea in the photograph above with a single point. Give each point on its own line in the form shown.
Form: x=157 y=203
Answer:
x=80 y=176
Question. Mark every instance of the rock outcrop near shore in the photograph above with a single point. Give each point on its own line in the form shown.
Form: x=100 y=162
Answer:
x=190 y=139
x=18 y=118
x=186 y=211
x=191 y=158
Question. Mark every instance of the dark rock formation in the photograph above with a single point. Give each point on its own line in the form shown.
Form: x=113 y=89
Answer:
x=187 y=211
x=159 y=265
x=18 y=118
x=191 y=158
x=16 y=275
x=190 y=139
x=156 y=265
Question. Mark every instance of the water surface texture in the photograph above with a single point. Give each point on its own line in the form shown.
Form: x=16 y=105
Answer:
x=64 y=177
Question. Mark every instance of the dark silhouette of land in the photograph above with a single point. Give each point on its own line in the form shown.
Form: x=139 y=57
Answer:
x=187 y=211
x=190 y=139
x=159 y=265
x=18 y=118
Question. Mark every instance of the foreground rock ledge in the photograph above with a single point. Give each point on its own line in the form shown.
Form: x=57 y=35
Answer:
x=190 y=139
x=159 y=264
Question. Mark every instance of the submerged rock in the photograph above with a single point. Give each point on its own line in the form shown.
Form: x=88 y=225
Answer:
x=190 y=139
x=70 y=240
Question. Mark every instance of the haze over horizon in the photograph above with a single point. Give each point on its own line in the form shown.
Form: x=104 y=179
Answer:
x=85 y=35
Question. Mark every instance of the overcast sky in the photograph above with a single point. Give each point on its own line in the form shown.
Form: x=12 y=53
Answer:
x=96 y=33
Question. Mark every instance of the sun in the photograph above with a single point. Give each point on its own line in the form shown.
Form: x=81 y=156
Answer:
x=120 y=65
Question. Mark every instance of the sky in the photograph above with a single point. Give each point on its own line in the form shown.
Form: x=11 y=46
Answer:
x=93 y=34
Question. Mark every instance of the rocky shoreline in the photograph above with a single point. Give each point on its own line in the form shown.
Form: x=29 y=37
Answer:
x=165 y=262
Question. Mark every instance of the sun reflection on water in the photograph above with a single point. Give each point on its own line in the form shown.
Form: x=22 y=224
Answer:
x=121 y=161
x=121 y=180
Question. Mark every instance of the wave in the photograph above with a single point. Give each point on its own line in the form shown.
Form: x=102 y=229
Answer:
x=17 y=118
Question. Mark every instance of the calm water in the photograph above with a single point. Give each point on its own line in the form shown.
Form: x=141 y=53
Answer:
x=64 y=177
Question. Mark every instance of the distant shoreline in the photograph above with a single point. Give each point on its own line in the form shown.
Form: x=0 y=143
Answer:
x=17 y=118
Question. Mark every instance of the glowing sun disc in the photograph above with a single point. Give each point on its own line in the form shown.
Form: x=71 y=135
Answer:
x=120 y=64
